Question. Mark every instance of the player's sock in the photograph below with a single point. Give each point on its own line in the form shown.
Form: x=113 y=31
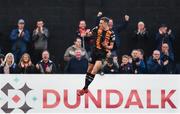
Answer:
x=88 y=80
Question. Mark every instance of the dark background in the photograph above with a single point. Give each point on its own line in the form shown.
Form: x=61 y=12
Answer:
x=62 y=18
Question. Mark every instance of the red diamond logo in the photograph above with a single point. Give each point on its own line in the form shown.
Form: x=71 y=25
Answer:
x=16 y=98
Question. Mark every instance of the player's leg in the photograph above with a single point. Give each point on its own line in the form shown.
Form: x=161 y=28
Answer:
x=83 y=91
x=90 y=77
x=96 y=67
x=90 y=67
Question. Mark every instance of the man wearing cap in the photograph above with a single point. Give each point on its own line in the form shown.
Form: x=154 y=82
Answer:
x=20 y=37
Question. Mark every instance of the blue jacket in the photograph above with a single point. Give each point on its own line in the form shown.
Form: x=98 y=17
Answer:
x=141 y=68
x=170 y=56
x=117 y=29
x=19 y=41
x=170 y=67
x=154 y=67
x=165 y=38
x=77 y=66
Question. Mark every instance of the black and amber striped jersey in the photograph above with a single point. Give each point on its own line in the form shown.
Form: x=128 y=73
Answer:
x=102 y=36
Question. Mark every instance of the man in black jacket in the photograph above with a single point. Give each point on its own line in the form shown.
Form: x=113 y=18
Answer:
x=168 y=59
x=155 y=64
x=141 y=37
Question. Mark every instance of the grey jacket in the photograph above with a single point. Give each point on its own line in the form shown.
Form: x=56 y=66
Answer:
x=40 y=39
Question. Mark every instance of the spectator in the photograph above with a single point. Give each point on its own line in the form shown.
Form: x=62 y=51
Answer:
x=110 y=67
x=20 y=38
x=70 y=52
x=165 y=35
x=25 y=65
x=78 y=64
x=141 y=37
x=8 y=66
x=46 y=66
x=126 y=66
x=82 y=33
x=40 y=39
x=168 y=59
x=115 y=59
x=155 y=64
x=117 y=30
x=138 y=62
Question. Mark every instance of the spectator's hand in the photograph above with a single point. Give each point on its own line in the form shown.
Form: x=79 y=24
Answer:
x=22 y=65
x=166 y=52
x=37 y=30
x=89 y=34
x=112 y=70
x=83 y=34
x=1 y=60
x=48 y=69
x=136 y=71
x=37 y=66
x=99 y=14
x=159 y=62
x=160 y=31
x=169 y=32
x=30 y=63
x=87 y=31
x=126 y=17
x=41 y=29
x=165 y=62
x=122 y=64
x=138 y=32
x=137 y=63
x=130 y=60
x=141 y=31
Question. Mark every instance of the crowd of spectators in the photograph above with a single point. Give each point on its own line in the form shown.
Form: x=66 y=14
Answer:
x=78 y=54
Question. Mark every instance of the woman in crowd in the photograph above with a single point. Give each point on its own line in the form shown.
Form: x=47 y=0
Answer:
x=8 y=66
x=25 y=65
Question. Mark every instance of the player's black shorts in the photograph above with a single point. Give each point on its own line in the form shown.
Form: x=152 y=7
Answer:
x=97 y=55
